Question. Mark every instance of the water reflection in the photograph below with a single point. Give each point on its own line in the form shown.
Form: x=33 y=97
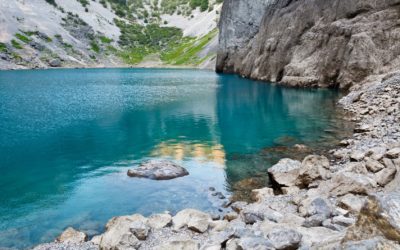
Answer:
x=179 y=150
x=69 y=136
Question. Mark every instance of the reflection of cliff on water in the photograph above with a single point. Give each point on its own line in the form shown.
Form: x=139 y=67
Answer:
x=260 y=124
x=178 y=150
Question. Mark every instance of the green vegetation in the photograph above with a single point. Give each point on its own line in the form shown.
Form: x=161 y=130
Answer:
x=95 y=47
x=203 y=4
x=105 y=39
x=139 y=41
x=52 y=2
x=185 y=52
x=84 y=3
x=23 y=38
x=16 y=44
x=3 y=47
x=30 y=33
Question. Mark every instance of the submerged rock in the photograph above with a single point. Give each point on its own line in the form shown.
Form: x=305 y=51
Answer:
x=158 y=170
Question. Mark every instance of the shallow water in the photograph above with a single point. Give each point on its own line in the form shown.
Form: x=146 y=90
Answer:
x=67 y=138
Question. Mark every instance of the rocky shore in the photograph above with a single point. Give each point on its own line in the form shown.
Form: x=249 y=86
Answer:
x=351 y=202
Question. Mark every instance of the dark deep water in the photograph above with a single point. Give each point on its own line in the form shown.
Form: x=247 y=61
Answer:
x=67 y=138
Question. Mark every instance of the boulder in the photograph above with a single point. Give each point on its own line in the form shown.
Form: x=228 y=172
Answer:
x=118 y=234
x=55 y=63
x=139 y=229
x=195 y=220
x=71 y=235
x=285 y=172
x=343 y=221
x=231 y=216
x=374 y=165
x=346 y=182
x=315 y=206
x=158 y=221
x=259 y=195
x=179 y=245
x=371 y=244
x=282 y=238
x=352 y=202
x=393 y=153
x=380 y=216
x=255 y=243
x=357 y=155
x=313 y=167
x=158 y=170
x=314 y=220
x=385 y=176
x=377 y=153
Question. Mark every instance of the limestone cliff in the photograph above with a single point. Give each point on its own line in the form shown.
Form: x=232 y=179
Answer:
x=335 y=43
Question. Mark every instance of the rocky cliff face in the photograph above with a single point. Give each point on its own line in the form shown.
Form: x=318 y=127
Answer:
x=335 y=43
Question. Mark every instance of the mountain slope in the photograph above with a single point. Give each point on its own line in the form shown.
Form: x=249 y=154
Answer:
x=82 y=33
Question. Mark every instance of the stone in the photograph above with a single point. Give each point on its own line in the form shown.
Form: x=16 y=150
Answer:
x=374 y=165
x=385 y=176
x=352 y=202
x=67 y=246
x=158 y=221
x=380 y=216
x=356 y=167
x=179 y=245
x=343 y=221
x=316 y=206
x=139 y=229
x=290 y=190
x=328 y=224
x=357 y=155
x=231 y=216
x=195 y=220
x=388 y=163
x=118 y=234
x=238 y=206
x=158 y=170
x=251 y=217
x=71 y=235
x=37 y=45
x=393 y=153
x=232 y=244
x=285 y=172
x=314 y=220
x=255 y=243
x=219 y=225
x=377 y=153
x=258 y=195
x=313 y=167
x=55 y=63
x=363 y=128
x=345 y=182
x=285 y=238
x=371 y=244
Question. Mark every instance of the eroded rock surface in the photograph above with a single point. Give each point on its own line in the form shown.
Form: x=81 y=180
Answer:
x=310 y=42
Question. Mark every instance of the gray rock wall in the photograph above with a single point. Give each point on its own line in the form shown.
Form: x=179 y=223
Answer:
x=335 y=43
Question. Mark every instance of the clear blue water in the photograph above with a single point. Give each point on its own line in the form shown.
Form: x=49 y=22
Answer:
x=67 y=138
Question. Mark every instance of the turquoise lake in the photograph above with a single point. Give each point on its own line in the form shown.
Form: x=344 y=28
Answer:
x=68 y=137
